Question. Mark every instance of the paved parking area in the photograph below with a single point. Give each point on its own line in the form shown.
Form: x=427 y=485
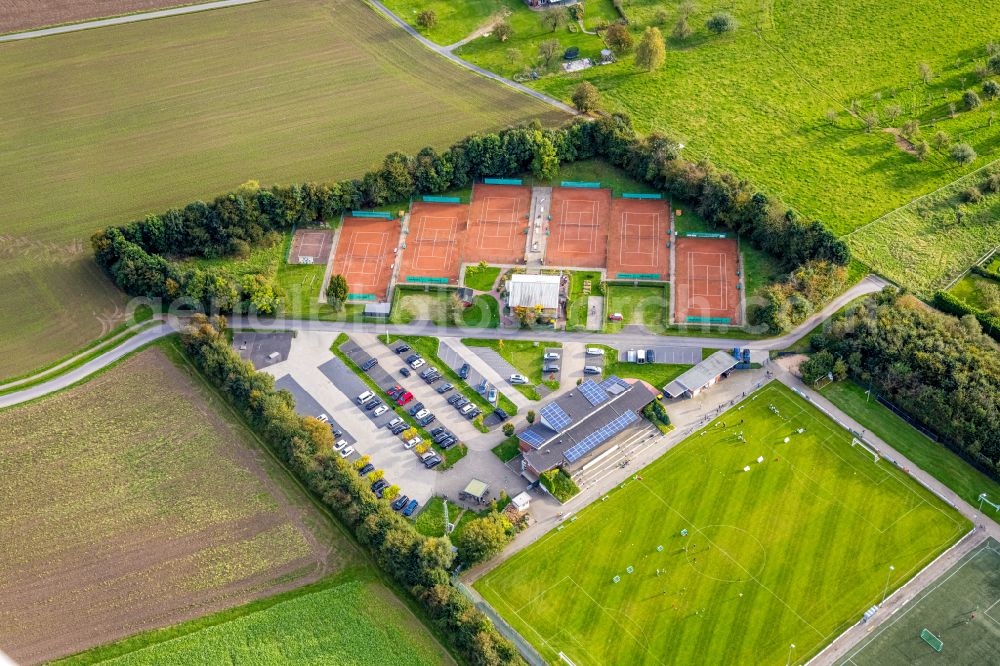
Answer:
x=669 y=354
x=258 y=347
x=554 y=376
x=306 y=405
x=454 y=360
x=495 y=361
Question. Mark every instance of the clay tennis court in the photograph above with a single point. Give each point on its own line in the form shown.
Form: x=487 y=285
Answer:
x=637 y=242
x=433 y=247
x=497 y=221
x=364 y=255
x=706 y=280
x=579 y=227
x=313 y=245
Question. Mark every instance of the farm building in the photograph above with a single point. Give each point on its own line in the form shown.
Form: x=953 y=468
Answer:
x=530 y=291
x=700 y=377
x=583 y=424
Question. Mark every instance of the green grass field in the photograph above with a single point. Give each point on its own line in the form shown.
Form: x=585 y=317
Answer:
x=106 y=125
x=945 y=609
x=347 y=619
x=639 y=306
x=792 y=551
x=979 y=292
x=481 y=278
x=935 y=459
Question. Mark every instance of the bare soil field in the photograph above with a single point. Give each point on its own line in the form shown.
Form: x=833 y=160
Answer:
x=18 y=15
x=130 y=502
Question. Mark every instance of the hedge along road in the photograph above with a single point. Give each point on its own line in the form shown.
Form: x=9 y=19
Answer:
x=868 y=285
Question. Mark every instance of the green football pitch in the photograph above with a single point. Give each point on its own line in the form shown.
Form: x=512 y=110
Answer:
x=792 y=551
x=961 y=609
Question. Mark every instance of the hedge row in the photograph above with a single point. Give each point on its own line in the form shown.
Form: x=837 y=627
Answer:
x=421 y=564
x=133 y=255
x=946 y=302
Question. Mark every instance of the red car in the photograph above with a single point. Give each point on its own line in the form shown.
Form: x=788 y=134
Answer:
x=394 y=391
x=405 y=398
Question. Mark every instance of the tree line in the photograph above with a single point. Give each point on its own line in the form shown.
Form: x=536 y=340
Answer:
x=942 y=371
x=139 y=256
x=418 y=563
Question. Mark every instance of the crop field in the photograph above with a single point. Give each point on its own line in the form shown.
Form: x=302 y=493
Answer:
x=928 y=243
x=106 y=125
x=349 y=619
x=959 y=609
x=756 y=100
x=17 y=15
x=792 y=551
x=138 y=508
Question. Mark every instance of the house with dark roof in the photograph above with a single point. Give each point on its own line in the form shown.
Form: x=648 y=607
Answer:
x=580 y=425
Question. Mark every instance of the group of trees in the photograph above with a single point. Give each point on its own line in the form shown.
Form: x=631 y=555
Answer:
x=420 y=564
x=136 y=255
x=942 y=371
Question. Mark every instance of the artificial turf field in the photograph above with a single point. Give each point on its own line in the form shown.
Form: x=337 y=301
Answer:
x=792 y=551
x=945 y=608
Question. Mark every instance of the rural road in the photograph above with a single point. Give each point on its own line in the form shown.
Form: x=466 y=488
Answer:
x=119 y=20
x=868 y=285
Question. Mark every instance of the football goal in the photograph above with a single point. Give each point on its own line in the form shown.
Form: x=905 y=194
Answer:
x=857 y=442
x=932 y=640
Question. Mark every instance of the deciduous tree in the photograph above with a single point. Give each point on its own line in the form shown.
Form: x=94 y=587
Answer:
x=651 y=51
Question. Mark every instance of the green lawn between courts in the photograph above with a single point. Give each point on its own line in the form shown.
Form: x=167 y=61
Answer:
x=577 y=301
x=524 y=355
x=935 y=459
x=639 y=306
x=946 y=610
x=347 y=618
x=481 y=278
x=793 y=551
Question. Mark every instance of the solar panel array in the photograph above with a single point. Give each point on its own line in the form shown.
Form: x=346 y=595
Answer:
x=593 y=393
x=601 y=435
x=614 y=385
x=555 y=416
x=533 y=437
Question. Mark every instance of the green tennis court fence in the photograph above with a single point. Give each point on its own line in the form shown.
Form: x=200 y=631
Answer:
x=708 y=320
x=503 y=181
x=577 y=183
x=361 y=297
x=428 y=280
x=932 y=640
x=639 y=276
x=705 y=234
x=372 y=213
x=433 y=199
x=636 y=195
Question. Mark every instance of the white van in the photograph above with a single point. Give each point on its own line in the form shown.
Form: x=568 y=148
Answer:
x=630 y=356
x=641 y=356
x=595 y=351
x=468 y=408
x=365 y=397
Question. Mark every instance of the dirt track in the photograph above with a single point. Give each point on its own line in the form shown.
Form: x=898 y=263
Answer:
x=128 y=507
x=25 y=14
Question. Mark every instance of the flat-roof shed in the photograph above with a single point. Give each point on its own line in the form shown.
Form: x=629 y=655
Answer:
x=528 y=291
x=701 y=376
x=378 y=310
x=476 y=491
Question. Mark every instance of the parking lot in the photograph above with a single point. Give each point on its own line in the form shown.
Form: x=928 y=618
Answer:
x=306 y=405
x=262 y=349
x=668 y=354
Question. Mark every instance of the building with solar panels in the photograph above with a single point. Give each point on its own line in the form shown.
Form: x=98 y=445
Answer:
x=581 y=425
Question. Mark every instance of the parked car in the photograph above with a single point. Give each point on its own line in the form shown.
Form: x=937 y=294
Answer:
x=367 y=469
x=447 y=443
x=369 y=364
x=427 y=372
x=630 y=356
x=591 y=370
x=337 y=432
x=432 y=463
x=365 y=397
x=323 y=417
x=405 y=372
x=422 y=413
x=474 y=413
x=467 y=408
x=518 y=379
x=419 y=362
x=640 y=356
x=492 y=394
x=402 y=348
x=455 y=398
x=445 y=388
x=595 y=351
x=396 y=429
x=339 y=446
x=394 y=390
x=441 y=435
x=482 y=386
x=437 y=430
x=616 y=316
x=412 y=357
x=650 y=356
x=372 y=404
x=347 y=451
x=435 y=377
x=400 y=502
x=416 y=440
x=427 y=420
x=403 y=399
x=381 y=483
x=461 y=402
x=410 y=508
x=550 y=356
x=394 y=422
x=501 y=414
x=551 y=367
x=408 y=446
x=416 y=408
x=463 y=372
x=380 y=410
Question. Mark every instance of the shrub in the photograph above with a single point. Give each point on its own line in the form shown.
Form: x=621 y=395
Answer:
x=922 y=149
x=661 y=17
x=586 y=97
x=508 y=429
x=427 y=19
x=963 y=153
x=559 y=484
x=722 y=22
x=971 y=100
x=972 y=195
x=681 y=29
x=651 y=51
x=504 y=31
x=991 y=89
x=941 y=140
x=994 y=63
x=992 y=183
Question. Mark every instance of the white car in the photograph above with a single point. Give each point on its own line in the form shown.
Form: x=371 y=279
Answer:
x=595 y=351
x=380 y=410
x=518 y=379
x=551 y=356
x=346 y=452
x=416 y=364
x=468 y=408
x=410 y=444
x=324 y=418
x=416 y=440
x=421 y=414
x=339 y=446
x=365 y=397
